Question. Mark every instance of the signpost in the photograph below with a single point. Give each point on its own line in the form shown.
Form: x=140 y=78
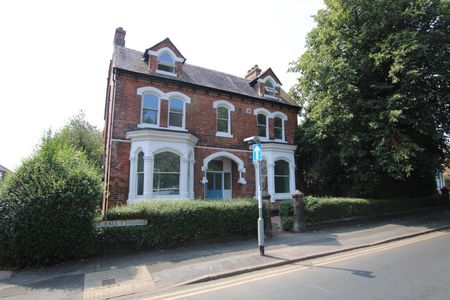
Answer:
x=257 y=157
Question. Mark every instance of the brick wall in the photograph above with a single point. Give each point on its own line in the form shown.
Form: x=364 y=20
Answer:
x=200 y=121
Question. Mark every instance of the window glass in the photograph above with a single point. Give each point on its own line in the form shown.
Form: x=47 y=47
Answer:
x=281 y=176
x=222 y=119
x=278 y=126
x=150 y=109
x=176 y=113
x=269 y=87
x=166 y=63
x=140 y=174
x=215 y=165
x=166 y=174
x=262 y=125
x=165 y=57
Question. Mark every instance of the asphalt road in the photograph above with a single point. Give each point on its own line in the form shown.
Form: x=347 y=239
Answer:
x=417 y=268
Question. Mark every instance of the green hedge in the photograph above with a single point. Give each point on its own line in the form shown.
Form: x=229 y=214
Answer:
x=47 y=207
x=325 y=209
x=176 y=223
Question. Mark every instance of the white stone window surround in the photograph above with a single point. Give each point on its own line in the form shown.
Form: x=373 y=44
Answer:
x=274 y=83
x=226 y=154
x=156 y=92
x=268 y=114
x=171 y=54
x=284 y=119
x=163 y=96
x=185 y=99
x=230 y=107
x=273 y=152
x=152 y=142
x=271 y=115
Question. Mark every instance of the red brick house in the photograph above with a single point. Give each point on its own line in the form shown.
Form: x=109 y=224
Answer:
x=175 y=130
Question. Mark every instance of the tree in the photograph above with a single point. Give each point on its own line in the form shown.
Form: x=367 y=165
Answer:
x=47 y=207
x=375 y=81
x=83 y=136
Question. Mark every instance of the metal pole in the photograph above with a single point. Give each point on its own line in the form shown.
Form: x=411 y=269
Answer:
x=260 y=208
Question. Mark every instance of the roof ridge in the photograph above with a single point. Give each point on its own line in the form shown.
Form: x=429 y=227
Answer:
x=209 y=69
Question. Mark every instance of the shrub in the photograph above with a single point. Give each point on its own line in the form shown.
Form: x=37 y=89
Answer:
x=287 y=223
x=325 y=209
x=47 y=207
x=175 y=223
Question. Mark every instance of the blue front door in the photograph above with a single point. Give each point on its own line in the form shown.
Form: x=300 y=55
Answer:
x=215 y=190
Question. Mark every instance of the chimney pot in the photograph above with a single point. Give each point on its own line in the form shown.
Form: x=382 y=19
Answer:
x=253 y=73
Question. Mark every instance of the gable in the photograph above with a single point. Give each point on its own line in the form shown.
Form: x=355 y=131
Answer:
x=164 y=44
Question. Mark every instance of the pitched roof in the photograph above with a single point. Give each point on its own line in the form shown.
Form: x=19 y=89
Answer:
x=3 y=169
x=131 y=60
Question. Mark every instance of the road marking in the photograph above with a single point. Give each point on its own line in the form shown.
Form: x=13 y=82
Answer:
x=269 y=273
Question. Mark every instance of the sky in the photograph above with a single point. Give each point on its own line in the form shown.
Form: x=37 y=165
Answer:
x=54 y=55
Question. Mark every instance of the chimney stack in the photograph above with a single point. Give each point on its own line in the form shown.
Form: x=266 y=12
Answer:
x=253 y=73
x=119 y=37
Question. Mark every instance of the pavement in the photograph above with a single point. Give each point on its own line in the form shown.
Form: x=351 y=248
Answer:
x=126 y=275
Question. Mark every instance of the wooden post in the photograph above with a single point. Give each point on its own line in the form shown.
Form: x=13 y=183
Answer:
x=299 y=211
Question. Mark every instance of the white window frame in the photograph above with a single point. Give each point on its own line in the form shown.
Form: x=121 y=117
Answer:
x=230 y=107
x=275 y=85
x=283 y=118
x=183 y=114
x=268 y=114
x=185 y=99
x=284 y=176
x=157 y=113
x=137 y=174
x=173 y=65
x=155 y=196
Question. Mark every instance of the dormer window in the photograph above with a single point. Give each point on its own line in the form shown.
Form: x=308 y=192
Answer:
x=270 y=90
x=166 y=63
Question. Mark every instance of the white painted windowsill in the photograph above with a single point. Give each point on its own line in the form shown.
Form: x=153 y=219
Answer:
x=166 y=73
x=224 y=134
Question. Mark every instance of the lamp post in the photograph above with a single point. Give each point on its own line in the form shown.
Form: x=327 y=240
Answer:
x=257 y=155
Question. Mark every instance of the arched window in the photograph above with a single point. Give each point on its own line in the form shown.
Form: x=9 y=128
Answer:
x=166 y=174
x=150 y=107
x=140 y=174
x=278 y=128
x=166 y=63
x=269 y=87
x=281 y=176
x=176 y=112
x=223 y=119
x=262 y=125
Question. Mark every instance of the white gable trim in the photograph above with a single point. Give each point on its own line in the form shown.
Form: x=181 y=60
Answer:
x=168 y=50
x=268 y=77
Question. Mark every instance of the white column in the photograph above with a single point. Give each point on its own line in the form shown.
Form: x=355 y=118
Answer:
x=183 y=177
x=292 y=177
x=148 y=178
x=271 y=180
x=132 y=180
x=191 y=179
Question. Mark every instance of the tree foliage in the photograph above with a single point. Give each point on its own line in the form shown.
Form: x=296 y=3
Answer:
x=83 y=136
x=375 y=81
x=47 y=207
